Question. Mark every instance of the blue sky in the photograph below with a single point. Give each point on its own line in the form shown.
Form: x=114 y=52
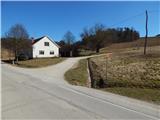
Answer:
x=56 y=18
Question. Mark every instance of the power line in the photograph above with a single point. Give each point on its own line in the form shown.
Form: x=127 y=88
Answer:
x=132 y=17
x=127 y=19
x=153 y=11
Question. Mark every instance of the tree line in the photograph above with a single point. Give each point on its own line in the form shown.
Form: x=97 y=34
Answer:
x=97 y=37
x=94 y=38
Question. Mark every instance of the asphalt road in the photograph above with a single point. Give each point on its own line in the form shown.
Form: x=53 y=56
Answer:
x=44 y=94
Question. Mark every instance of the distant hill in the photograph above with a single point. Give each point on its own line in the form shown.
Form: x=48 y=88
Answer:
x=152 y=41
x=158 y=35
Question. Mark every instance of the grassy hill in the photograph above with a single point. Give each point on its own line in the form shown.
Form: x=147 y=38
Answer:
x=125 y=46
x=152 y=41
x=128 y=72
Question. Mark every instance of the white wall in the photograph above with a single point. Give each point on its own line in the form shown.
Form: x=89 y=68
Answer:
x=40 y=46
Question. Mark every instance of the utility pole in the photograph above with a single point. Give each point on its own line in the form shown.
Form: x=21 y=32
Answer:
x=145 y=44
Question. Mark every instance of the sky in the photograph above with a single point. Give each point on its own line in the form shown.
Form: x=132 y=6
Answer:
x=54 y=19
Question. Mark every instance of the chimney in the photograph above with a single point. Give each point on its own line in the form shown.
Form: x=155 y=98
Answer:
x=32 y=38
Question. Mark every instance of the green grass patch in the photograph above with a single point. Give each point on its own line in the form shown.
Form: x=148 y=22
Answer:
x=78 y=75
x=149 y=95
x=40 y=62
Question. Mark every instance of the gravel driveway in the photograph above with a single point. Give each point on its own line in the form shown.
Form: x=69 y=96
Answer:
x=53 y=73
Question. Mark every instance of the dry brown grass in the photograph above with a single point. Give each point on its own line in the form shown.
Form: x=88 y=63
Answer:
x=6 y=54
x=130 y=73
x=41 y=62
x=131 y=69
x=152 y=41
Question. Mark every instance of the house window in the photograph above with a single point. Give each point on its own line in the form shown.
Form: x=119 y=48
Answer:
x=51 y=52
x=46 y=43
x=41 y=52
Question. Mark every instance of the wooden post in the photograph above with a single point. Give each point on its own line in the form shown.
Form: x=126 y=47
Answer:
x=106 y=66
x=71 y=54
x=89 y=82
x=108 y=57
x=145 y=44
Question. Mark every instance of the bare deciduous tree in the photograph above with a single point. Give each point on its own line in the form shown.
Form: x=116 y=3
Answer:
x=69 y=38
x=94 y=37
x=17 y=31
x=18 y=37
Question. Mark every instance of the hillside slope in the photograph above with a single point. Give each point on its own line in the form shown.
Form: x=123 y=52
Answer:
x=129 y=73
x=152 y=41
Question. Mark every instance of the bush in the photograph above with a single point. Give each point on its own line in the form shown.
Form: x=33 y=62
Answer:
x=22 y=57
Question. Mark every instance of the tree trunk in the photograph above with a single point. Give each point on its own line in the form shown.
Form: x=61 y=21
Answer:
x=97 y=50
x=16 y=56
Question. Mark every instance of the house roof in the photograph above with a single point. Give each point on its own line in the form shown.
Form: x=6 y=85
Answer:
x=38 y=39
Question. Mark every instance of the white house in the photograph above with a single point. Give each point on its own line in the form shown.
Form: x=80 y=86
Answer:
x=44 y=47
